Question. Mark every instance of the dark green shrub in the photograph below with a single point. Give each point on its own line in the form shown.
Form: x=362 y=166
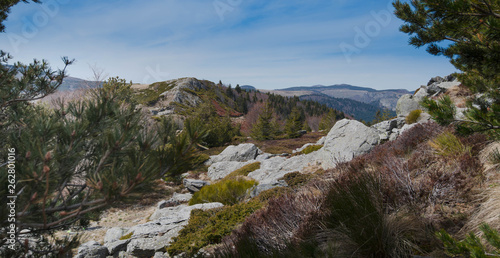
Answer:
x=443 y=110
x=413 y=116
x=272 y=193
x=228 y=192
x=208 y=227
x=244 y=171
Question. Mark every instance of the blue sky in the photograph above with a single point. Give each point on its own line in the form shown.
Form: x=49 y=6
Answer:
x=267 y=44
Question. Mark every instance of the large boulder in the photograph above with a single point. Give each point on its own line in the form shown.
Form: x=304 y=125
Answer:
x=242 y=152
x=221 y=169
x=276 y=167
x=175 y=215
x=117 y=246
x=175 y=200
x=346 y=140
x=406 y=104
x=114 y=234
x=194 y=185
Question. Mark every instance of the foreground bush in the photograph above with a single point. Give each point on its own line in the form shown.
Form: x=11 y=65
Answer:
x=208 y=227
x=228 y=192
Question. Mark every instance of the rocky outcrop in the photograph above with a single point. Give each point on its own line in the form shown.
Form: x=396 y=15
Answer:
x=194 y=185
x=346 y=140
x=406 y=104
x=145 y=240
x=242 y=152
x=221 y=169
x=175 y=200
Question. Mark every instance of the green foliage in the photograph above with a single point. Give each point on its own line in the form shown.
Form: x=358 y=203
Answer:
x=265 y=128
x=294 y=123
x=152 y=94
x=311 y=148
x=295 y=179
x=209 y=227
x=471 y=29
x=244 y=171
x=448 y=145
x=358 y=224
x=471 y=246
x=381 y=116
x=413 y=116
x=228 y=192
x=443 y=110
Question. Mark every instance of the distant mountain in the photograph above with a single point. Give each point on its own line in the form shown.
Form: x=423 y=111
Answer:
x=72 y=83
x=380 y=98
x=248 y=88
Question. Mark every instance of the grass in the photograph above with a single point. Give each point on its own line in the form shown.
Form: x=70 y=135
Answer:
x=448 y=145
x=311 y=148
x=127 y=236
x=287 y=145
x=413 y=116
x=228 y=192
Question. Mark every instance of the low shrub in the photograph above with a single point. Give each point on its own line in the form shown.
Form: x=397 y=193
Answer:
x=413 y=116
x=448 y=145
x=295 y=179
x=272 y=193
x=209 y=227
x=311 y=148
x=228 y=192
x=244 y=171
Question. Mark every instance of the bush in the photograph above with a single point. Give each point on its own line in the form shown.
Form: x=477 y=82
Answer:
x=228 y=192
x=244 y=171
x=448 y=145
x=413 y=116
x=208 y=227
x=296 y=179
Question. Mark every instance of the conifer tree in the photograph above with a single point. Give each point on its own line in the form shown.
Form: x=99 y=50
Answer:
x=237 y=88
x=294 y=123
x=468 y=33
x=265 y=128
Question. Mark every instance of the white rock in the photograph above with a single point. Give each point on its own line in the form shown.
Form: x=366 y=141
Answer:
x=221 y=169
x=242 y=152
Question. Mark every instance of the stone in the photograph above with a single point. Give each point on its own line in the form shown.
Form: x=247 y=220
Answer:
x=256 y=190
x=437 y=79
x=242 y=152
x=92 y=249
x=406 y=104
x=117 y=246
x=161 y=255
x=221 y=169
x=194 y=185
x=114 y=234
x=175 y=200
x=303 y=147
x=143 y=247
x=346 y=140
x=274 y=168
x=321 y=141
x=174 y=215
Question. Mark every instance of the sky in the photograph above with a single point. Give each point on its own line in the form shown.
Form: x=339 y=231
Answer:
x=264 y=43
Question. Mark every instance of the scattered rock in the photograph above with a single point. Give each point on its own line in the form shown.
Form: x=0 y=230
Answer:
x=175 y=215
x=256 y=190
x=161 y=255
x=175 y=200
x=194 y=185
x=242 y=152
x=114 y=234
x=117 y=246
x=346 y=140
x=92 y=249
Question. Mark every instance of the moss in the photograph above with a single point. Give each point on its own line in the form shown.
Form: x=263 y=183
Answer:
x=413 y=116
x=311 y=148
x=209 y=227
x=127 y=236
x=244 y=171
x=296 y=179
x=228 y=192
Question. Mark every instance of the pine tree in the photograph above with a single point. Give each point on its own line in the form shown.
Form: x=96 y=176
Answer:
x=294 y=123
x=471 y=27
x=237 y=88
x=328 y=120
x=265 y=128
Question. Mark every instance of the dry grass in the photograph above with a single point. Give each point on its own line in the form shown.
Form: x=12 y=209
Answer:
x=459 y=95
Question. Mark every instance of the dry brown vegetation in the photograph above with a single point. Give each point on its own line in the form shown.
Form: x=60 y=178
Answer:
x=415 y=192
x=287 y=145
